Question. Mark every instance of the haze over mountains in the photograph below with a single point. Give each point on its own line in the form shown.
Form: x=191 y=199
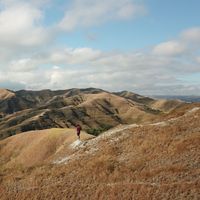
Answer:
x=93 y=108
x=190 y=98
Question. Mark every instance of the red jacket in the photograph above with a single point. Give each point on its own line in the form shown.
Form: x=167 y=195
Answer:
x=78 y=128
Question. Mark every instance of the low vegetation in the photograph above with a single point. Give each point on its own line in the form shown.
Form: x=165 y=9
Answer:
x=152 y=161
x=98 y=131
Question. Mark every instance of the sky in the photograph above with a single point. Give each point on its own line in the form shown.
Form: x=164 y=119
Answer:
x=151 y=47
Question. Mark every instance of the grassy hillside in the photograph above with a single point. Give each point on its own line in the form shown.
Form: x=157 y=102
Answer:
x=154 y=161
x=35 y=147
x=93 y=108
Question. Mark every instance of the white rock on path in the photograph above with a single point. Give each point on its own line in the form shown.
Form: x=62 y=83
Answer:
x=76 y=144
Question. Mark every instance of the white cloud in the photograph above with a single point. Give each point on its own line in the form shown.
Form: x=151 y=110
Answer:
x=85 y=67
x=74 y=56
x=186 y=44
x=198 y=59
x=85 y=13
x=21 y=28
x=27 y=62
x=22 y=32
x=191 y=35
x=33 y=2
x=23 y=65
x=170 y=48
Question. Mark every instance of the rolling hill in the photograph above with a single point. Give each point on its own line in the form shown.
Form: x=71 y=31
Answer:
x=159 y=160
x=93 y=108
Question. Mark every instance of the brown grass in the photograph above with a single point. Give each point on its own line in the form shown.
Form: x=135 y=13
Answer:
x=34 y=147
x=146 y=162
x=5 y=94
x=166 y=105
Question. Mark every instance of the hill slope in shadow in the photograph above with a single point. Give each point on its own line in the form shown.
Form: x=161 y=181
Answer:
x=93 y=108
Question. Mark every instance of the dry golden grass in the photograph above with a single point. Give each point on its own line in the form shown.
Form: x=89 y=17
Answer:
x=34 y=147
x=90 y=110
x=5 y=94
x=127 y=110
x=144 y=162
x=166 y=105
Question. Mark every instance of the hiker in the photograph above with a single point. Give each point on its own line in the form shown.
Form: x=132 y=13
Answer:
x=78 y=130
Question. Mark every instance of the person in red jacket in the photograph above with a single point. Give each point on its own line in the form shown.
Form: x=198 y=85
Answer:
x=78 y=130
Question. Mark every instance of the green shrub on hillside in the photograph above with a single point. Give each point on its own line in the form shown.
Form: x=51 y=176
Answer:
x=98 y=131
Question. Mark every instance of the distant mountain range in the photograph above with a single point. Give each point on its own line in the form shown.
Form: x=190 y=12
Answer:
x=191 y=98
x=95 y=109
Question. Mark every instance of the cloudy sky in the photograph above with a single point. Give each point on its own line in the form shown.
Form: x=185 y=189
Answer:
x=144 y=46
